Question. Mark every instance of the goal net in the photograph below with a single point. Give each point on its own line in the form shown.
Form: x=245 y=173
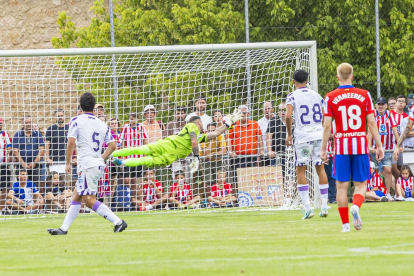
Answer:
x=145 y=94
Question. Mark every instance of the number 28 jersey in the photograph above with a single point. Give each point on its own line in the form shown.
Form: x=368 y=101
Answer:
x=90 y=134
x=307 y=107
x=349 y=107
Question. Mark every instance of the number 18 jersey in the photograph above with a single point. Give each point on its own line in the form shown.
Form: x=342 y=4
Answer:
x=349 y=107
x=307 y=108
x=90 y=134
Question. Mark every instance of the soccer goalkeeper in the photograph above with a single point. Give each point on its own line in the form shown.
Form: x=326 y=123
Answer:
x=166 y=151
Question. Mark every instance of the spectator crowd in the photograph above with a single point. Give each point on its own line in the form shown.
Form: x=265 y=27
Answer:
x=32 y=163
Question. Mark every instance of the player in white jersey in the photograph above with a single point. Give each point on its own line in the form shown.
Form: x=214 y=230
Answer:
x=306 y=105
x=89 y=133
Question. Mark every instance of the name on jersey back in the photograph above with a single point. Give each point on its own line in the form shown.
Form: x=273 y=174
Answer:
x=348 y=96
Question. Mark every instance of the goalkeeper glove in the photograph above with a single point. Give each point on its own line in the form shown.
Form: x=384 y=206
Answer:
x=194 y=164
x=232 y=119
x=117 y=162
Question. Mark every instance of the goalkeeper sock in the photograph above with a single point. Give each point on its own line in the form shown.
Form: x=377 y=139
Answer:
x=130 y=151
x=103 y=210
x=304 y=195
x=323 y=188
x=71 y=215
x=142 y=161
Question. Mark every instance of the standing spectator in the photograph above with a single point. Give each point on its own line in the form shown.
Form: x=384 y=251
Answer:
x=114 y=126
x=56 y=140
x=99 y=110
x=244 y=142
x=155 y=130
x=200 y=106
x=276 y=137
x=5 y=156
x=102 y=118
x=28 y=148
x=153 y=127
x=173 y=128
x=387 y=128
x=133 y=134
x=214 y=151
x=268 y=112
x=391 y=103
x=329 y=166
x=218 y=117
x=399 y=116
x=24 y=195
x=409 y=102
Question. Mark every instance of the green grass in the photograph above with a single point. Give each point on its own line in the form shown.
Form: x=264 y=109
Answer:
x=221 y=243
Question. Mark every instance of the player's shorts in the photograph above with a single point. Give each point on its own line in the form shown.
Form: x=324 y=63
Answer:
x=88 y=179
x=379 y=193
x=163 y=152
x=385 y=162
x=400 y=161
x=346 y=167
x=308 y=152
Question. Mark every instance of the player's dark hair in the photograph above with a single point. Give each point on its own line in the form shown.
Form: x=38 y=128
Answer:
x=211 y=124
x=179 y=172
x=194 y=118
x=406 y=167
x=300 y=76
x=400 y=97
x=87 y=102
x=180 y=108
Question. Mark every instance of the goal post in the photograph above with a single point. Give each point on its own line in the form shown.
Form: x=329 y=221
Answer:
x=138 y=80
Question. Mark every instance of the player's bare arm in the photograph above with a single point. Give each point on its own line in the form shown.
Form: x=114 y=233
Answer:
x=270 y=152
x=372 y=126
x=69 y=151
x=403 y=136
x=327 y=125
x=260 y=144
x=289 y=110
x=109 y=150
x=217 y=132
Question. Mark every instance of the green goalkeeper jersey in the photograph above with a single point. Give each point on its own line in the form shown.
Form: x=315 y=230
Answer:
x=183 y=140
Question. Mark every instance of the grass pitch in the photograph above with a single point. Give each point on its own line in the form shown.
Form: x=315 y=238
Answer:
x=220 y=243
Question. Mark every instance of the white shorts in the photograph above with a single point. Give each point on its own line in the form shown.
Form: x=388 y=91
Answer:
x=308 y=152
x=88 y=180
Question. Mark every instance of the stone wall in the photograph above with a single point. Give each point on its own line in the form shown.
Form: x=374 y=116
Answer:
x=35 y=86
x=30 y=24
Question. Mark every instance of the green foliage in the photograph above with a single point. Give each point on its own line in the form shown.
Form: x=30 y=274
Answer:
x=344 y=31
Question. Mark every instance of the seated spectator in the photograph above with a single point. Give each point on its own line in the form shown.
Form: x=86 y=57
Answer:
x=151 y=194
x=57 y=196
x=181 y=195
x=404 y=189
x=24 y=196
x=122 y=199
x=375 y=187
x=221 y=192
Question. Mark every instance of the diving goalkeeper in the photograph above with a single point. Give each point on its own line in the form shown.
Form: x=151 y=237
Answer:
x=166 y=151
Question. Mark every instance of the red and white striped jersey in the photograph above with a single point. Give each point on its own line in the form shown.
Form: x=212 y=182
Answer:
x=398 y=119
x=376 y=181
x=149 y=193
x=223 y=192
x=385 y=124
x=4 y=143
x=406 y=184
x=182 y=194
x=349 y=107
x=133 y=137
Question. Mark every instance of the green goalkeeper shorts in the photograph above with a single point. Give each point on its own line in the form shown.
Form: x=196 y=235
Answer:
x=163 y=152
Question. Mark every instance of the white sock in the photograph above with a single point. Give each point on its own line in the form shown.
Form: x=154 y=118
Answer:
x=304 y=195
x=149 y=207
x=323 y=188
x=103 y=210
x=72 y=213
x=345 y=225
